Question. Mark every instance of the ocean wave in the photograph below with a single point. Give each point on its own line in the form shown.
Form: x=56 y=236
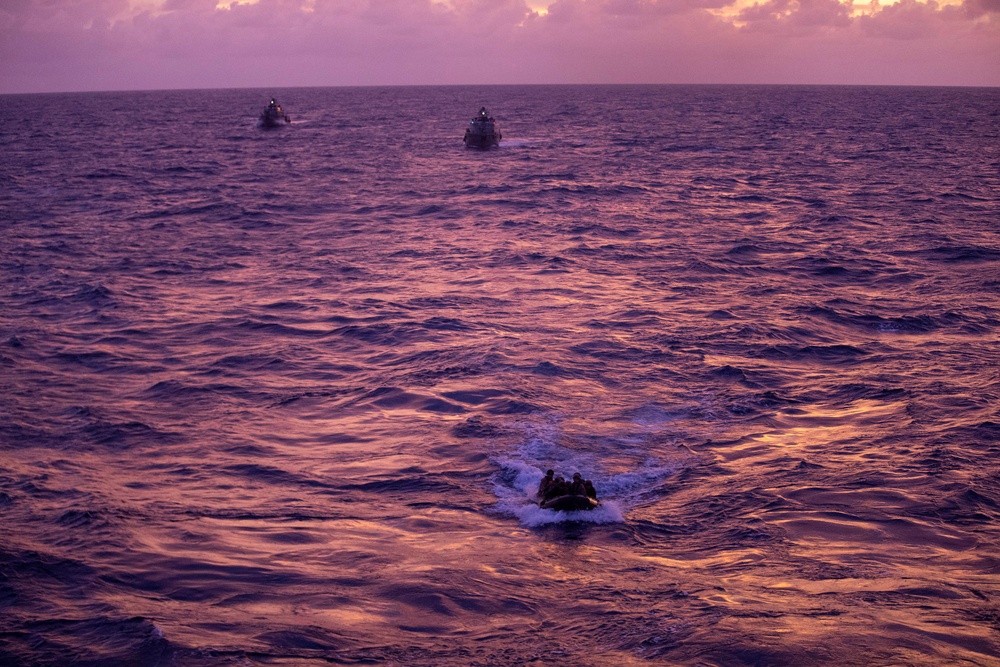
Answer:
x=917 y=324
x=291 y=394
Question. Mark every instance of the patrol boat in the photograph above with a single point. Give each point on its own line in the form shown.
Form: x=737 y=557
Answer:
x=273 y=116
x=482 y=131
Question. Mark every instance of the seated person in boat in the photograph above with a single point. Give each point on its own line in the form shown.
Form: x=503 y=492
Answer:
x=546 y=482
x=557 y=488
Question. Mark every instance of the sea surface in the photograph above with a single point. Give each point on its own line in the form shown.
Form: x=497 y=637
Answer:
x=283 y=397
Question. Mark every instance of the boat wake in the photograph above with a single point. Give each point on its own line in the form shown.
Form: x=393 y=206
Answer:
x=517 y=143
x=515 y=486
x=516 y=483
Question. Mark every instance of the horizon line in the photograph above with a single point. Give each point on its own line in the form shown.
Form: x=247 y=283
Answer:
x=503 y=85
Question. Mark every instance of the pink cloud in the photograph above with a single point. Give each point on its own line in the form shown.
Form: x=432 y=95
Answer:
x=977 y=8
x=101 y=44
x=799 y=13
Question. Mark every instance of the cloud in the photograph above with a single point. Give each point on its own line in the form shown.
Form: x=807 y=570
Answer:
x=803 y=14
x=978 y=8
x=127 y=44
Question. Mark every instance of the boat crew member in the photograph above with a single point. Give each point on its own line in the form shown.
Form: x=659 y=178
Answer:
x=546 y=482
x=557 y=488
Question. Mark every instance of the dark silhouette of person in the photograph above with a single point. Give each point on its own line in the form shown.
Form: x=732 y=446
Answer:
x=577 y=487
x=557 y=488
x=590 y=491
x=546 y=482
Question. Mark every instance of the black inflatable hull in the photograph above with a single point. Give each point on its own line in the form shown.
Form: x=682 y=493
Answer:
x=569 y=504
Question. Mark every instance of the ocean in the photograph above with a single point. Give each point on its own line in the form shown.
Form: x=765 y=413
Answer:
x=284 y=396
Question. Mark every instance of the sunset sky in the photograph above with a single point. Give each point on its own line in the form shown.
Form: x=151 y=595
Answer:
x=82 y=45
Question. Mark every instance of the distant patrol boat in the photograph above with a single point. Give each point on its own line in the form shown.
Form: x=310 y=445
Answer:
x=273 y=116
x=482 y=131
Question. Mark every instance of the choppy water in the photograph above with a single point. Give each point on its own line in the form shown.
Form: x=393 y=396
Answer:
x=280 y=397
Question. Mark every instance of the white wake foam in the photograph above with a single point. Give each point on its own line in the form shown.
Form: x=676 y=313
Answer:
x=516 y=482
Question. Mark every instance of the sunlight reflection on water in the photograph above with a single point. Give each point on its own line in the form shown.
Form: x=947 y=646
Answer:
x=286 y=397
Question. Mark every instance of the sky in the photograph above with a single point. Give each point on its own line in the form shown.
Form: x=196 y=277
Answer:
x=87 y=45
